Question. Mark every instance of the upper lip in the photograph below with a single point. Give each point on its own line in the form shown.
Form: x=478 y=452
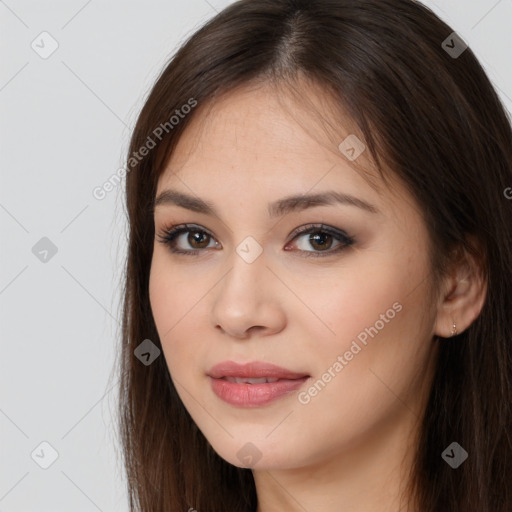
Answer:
x=255 y=369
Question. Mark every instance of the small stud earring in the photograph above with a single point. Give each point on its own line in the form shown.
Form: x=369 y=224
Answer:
x=454 y=329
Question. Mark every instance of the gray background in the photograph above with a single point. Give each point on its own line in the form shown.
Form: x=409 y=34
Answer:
x=65 y=121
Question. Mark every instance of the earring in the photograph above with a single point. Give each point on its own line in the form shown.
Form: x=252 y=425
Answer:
x=454 y=329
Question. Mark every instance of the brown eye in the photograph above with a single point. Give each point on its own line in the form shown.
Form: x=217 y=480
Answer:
x=321 y=238
x=197 y=239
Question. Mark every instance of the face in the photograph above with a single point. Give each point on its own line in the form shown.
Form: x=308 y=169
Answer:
x=334 y=293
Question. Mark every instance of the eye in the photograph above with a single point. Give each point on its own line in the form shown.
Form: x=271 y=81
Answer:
x=320 y=237
x=197 y=238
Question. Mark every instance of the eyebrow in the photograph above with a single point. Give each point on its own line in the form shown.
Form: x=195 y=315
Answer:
x=276 y=209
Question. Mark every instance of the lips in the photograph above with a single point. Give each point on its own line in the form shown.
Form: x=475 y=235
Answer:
x=261 y=380
x=254 y=370
x=253 y=384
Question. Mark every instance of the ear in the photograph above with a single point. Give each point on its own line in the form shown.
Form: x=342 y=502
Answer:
x=462 y=293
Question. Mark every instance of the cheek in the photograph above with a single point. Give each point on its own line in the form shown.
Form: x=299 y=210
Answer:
x=377 y=323
x=162 y=300
x=380 y=330
x=375 y=293
x=173 y=294
x=172 y=302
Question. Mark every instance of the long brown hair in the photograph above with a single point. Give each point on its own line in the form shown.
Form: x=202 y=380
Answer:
x=432 y=117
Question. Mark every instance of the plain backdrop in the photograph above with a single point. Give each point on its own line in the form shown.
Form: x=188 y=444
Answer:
x=65 y=121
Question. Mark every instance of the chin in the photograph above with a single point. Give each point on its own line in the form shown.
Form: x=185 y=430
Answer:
x=259 y=455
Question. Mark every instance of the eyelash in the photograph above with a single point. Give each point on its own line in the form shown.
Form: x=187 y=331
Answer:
x=170 y=234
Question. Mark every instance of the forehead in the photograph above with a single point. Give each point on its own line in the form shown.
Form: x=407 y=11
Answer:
x=259 y=136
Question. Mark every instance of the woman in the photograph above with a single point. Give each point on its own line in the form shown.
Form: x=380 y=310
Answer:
x=317 y=302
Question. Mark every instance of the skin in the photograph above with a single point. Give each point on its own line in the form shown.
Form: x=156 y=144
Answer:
x=350 y=447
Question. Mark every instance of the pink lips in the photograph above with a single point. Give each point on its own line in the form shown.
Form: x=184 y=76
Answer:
x=246 y=394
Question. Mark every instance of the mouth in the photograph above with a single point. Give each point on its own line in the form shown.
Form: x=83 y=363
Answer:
x=253 y=384
x=241 y=380
x=253 y=372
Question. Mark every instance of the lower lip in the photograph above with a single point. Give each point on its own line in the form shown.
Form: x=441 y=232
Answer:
x=254 y=395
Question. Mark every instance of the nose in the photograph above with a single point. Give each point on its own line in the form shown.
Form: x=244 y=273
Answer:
x=248 y=300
